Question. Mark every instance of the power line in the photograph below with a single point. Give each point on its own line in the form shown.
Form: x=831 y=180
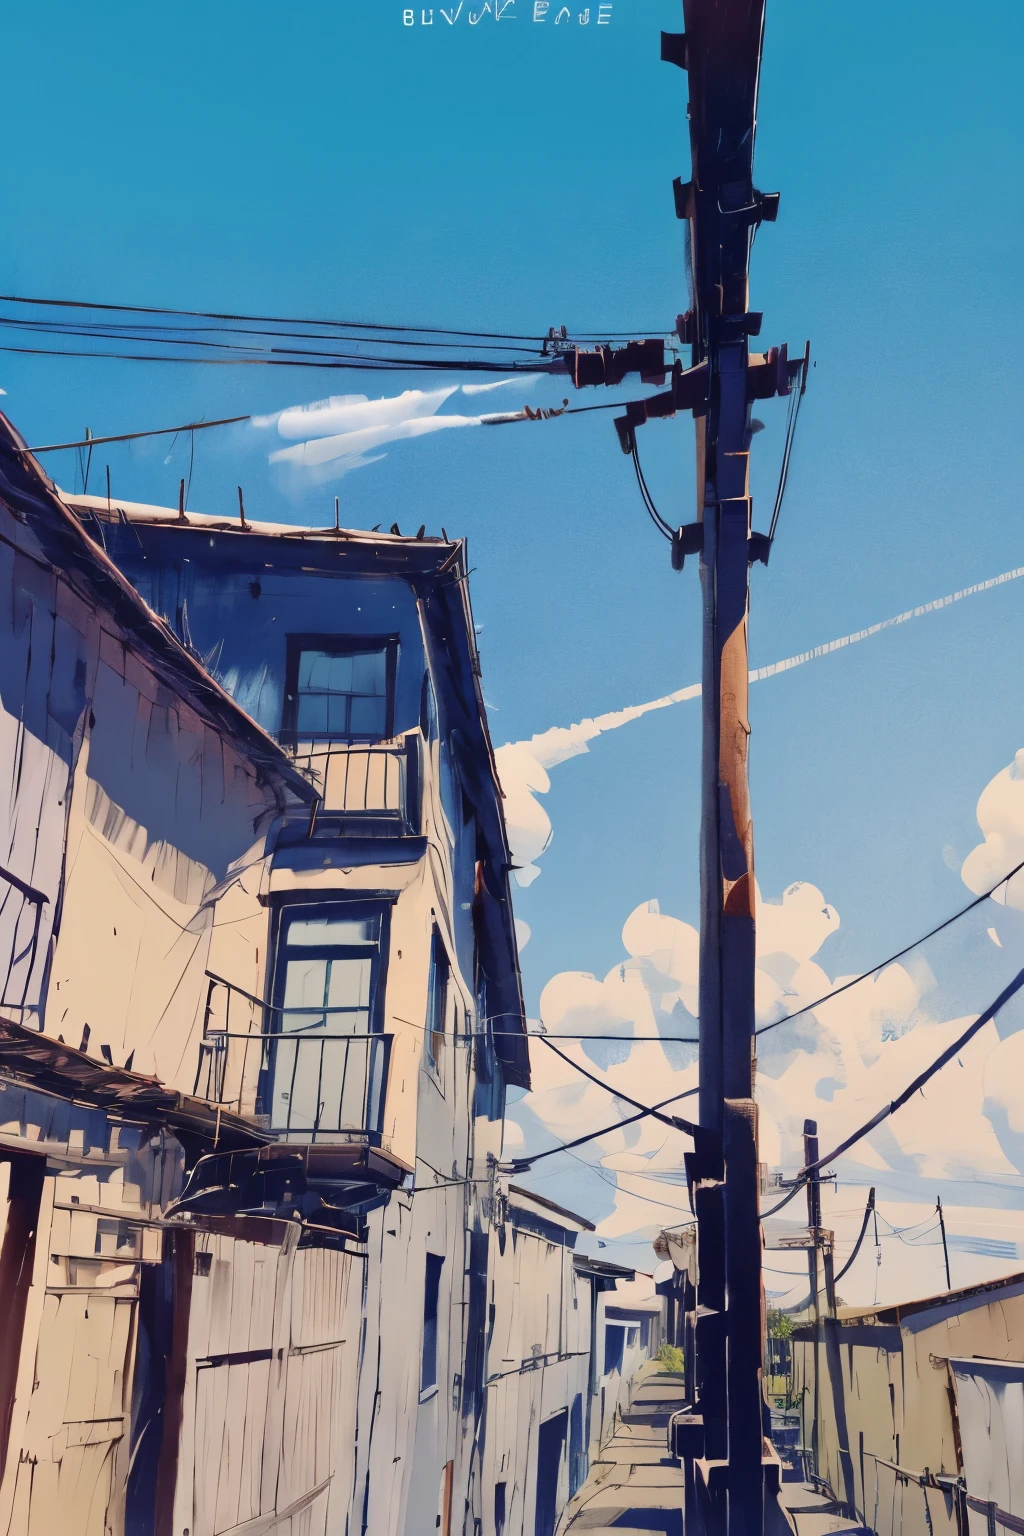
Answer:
x=345 y=325
x=352 y=362
x=492 y=419
x=948 y=922
x=890 y=1109
x=127 y=437
x=656 y=518
x=669 y=1120
x=523 y=1164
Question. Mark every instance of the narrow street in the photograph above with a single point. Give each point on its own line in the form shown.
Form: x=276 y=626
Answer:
x=635 y=1486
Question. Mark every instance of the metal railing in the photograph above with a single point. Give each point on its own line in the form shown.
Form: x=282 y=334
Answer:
x=366 y=781
x=20 y=901
x=302 y=1081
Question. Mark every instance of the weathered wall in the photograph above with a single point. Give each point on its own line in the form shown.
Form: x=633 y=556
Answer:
x=538 y=1366
x=885 y=1394
x=268 y=1420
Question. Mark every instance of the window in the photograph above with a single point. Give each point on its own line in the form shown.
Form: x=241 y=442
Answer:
x=328 y=987
x=326 y=967
x=431 y=1289
x=437 y=1001
x=339 y=689
x=614 y=1346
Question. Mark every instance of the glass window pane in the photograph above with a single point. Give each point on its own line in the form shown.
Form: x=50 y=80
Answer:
x=340 y=678
x=311 y=718
x=332 y=930
x=348 y=984
x=305 y=985
x=369 y=673
x=368 y=717
x=314 y=669
x=337 y=714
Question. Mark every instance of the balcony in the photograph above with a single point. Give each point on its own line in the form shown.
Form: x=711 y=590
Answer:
x=371 y=789
x=302 y=1080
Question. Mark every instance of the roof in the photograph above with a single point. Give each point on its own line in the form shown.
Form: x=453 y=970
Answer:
x=52 y=1067
x=600 y=1268
x=34 y=501
x=523 y=1196
x=945 y=1302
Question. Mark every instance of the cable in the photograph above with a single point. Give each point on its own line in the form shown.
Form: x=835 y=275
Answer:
x=523 y=1164
x=187 y=336
x=791 y=420
x=673 y=1123
x=655 y=516
x=613 y=1183
x=977 y=902
x=126 y=437
x=367 y=365
x=348 y=325
x=868 y=1209
x=908 y=1092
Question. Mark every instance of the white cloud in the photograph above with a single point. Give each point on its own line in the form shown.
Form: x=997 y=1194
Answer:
x=963 y=1132
x=1001 y=819
x=332 y=437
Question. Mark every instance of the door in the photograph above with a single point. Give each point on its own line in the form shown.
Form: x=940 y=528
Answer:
x=550 y=1448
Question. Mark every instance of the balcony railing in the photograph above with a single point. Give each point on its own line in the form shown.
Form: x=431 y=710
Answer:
x=303 y=1081
x=373 y=784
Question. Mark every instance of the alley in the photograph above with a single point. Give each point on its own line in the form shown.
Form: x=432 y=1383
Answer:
x=635 y=1486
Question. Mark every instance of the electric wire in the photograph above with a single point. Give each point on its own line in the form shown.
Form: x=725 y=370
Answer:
x=523 y=1164
x=659 y=522
x=360 y=325
x=897 y=1103
x=791 y=419
x=864 y=975
x=342 y=362
x=671 y=1121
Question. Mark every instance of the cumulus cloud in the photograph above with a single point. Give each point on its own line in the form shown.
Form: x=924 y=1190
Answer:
x=1001 y=819
x=962 y=1135
x=329 y=438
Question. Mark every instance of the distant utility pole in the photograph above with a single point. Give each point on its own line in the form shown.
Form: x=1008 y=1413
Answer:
x=721 y=53
x=945 y=1245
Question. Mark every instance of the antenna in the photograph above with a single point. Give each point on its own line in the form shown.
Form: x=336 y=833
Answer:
x=181 y=500
x=241 y=510
x=337 y=514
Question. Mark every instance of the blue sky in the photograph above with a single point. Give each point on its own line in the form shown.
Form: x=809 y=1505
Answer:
x=327 y=160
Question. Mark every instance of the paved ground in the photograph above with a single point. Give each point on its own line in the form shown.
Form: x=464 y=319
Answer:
x=813 y=1515
x=635 y=1487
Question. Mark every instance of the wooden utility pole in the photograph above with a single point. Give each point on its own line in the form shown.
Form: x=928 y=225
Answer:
x=721 y=52
x=722 y=1440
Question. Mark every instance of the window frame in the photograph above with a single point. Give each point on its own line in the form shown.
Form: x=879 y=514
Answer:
x=433 y=1272
x=336 y=645
x=345 y=907
x=434 y=1038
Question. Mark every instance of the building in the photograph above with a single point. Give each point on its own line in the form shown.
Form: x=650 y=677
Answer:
x=911 y=1415
x=261 y=1008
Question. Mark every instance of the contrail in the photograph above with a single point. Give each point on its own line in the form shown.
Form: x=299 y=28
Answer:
x=554 y=746
x=760 y=673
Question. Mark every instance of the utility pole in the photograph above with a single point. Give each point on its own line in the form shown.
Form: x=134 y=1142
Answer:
x=814 y=1228
x=945 y=1245
x=720 y=50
